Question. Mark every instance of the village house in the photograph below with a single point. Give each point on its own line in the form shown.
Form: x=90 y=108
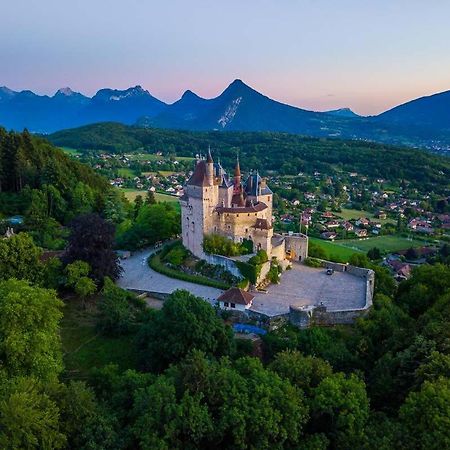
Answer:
x=235 y=299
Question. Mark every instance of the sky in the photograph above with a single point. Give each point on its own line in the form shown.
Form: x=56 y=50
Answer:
x=369 y=55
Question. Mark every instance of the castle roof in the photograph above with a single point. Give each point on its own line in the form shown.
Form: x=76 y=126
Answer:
x=255 y=185
x=236 y=295
x=199 y=178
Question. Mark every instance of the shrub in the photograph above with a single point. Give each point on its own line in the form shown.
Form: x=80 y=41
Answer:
x=177 y=255
x=313 y=262
x=157 y=265
x=217 y=244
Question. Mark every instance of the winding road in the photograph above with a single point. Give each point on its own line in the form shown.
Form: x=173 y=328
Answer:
x=138 y=275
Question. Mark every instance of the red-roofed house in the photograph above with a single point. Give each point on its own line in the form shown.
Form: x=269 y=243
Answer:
x=236 y=299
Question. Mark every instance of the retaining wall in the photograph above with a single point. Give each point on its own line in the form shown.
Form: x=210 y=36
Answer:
x=303 y=317
x=223 y=261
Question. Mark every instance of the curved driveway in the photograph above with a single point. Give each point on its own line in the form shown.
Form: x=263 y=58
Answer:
x=138 y=275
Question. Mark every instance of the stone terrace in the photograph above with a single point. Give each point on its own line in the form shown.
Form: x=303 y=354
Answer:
x=305 y=285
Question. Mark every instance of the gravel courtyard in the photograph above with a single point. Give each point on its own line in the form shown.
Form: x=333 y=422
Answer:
x=305 y=285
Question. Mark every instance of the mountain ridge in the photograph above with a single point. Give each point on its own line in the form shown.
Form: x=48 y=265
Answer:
x=421 y=122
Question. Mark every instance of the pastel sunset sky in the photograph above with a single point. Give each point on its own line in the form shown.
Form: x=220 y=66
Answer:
x=315 y=54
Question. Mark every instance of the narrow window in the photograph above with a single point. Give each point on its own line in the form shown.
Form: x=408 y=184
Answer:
x=233 y=305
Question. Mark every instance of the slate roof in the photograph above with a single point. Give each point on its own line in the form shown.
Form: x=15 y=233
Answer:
x=198 y=178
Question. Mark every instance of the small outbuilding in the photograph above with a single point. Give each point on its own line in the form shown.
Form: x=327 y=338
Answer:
x=236 y=299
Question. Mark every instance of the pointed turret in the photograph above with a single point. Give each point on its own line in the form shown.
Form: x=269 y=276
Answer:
x=237 y=173
x=210 y=168
x=209 y=160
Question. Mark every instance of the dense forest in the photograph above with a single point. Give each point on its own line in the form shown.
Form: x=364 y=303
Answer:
x=380 y=384
x=282 y=153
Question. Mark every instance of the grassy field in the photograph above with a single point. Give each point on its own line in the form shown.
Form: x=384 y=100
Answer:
x=348 y=214
x=343 y=249
x=389 y=243
x=71 y=151
x=124 y=172
x=334 y=251
x=84 y=348
x=131 y=194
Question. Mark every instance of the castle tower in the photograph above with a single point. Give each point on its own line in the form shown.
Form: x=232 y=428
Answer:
x=197 y=205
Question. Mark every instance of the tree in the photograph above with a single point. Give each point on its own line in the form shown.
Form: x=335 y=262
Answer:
x=29 y=333
x=29 y=419
x=425 y=417
x=19 y=258
x=150 y=198
x=91 y=240
x=85 y=423
x=153 y=223
x=118 y=309
x=184 y=323
x=77 y=278
x=411 y=253
x=305 y=372
x=374 y=254
x=138 y=202
x=340 y=408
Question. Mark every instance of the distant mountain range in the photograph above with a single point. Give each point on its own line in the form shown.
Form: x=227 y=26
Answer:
x=424 y=122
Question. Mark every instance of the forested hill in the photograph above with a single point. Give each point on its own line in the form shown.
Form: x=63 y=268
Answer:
x=37 y=179
x=280 y=152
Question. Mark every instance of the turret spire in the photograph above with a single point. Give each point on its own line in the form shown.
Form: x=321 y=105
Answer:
x=210 y=160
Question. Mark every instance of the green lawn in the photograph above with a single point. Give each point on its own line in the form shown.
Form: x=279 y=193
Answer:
x=124 y=172
x=131 y=194
x=349 y=214
x=84 y=348
x=334 y=251
x=390 y=243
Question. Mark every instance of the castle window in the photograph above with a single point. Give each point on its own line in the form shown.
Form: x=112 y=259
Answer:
x=229 y=227
x=226 y=304
x=237 y=215
x=246 y=230
x=232 y=305
x=248 y=214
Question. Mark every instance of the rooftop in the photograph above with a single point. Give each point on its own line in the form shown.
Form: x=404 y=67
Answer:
x=236 y=295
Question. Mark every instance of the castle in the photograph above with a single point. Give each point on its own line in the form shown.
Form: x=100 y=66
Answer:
x=215 y=203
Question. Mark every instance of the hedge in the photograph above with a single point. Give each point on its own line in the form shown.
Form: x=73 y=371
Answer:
x=156 y=264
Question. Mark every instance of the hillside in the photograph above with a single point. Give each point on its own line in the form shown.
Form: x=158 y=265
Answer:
x=40 y=181
x=280 y=152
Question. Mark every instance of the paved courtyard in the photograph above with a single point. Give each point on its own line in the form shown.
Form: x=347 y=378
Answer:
x=300 y=286
x=138 y=275
x=305 y=285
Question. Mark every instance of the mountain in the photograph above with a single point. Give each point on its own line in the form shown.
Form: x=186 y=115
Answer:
x=424 y=122
x=342 y=112
x=431 y=112
x=67 y=109
x=241 y=108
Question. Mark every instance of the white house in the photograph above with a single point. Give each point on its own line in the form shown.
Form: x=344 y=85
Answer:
x=236 y=299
